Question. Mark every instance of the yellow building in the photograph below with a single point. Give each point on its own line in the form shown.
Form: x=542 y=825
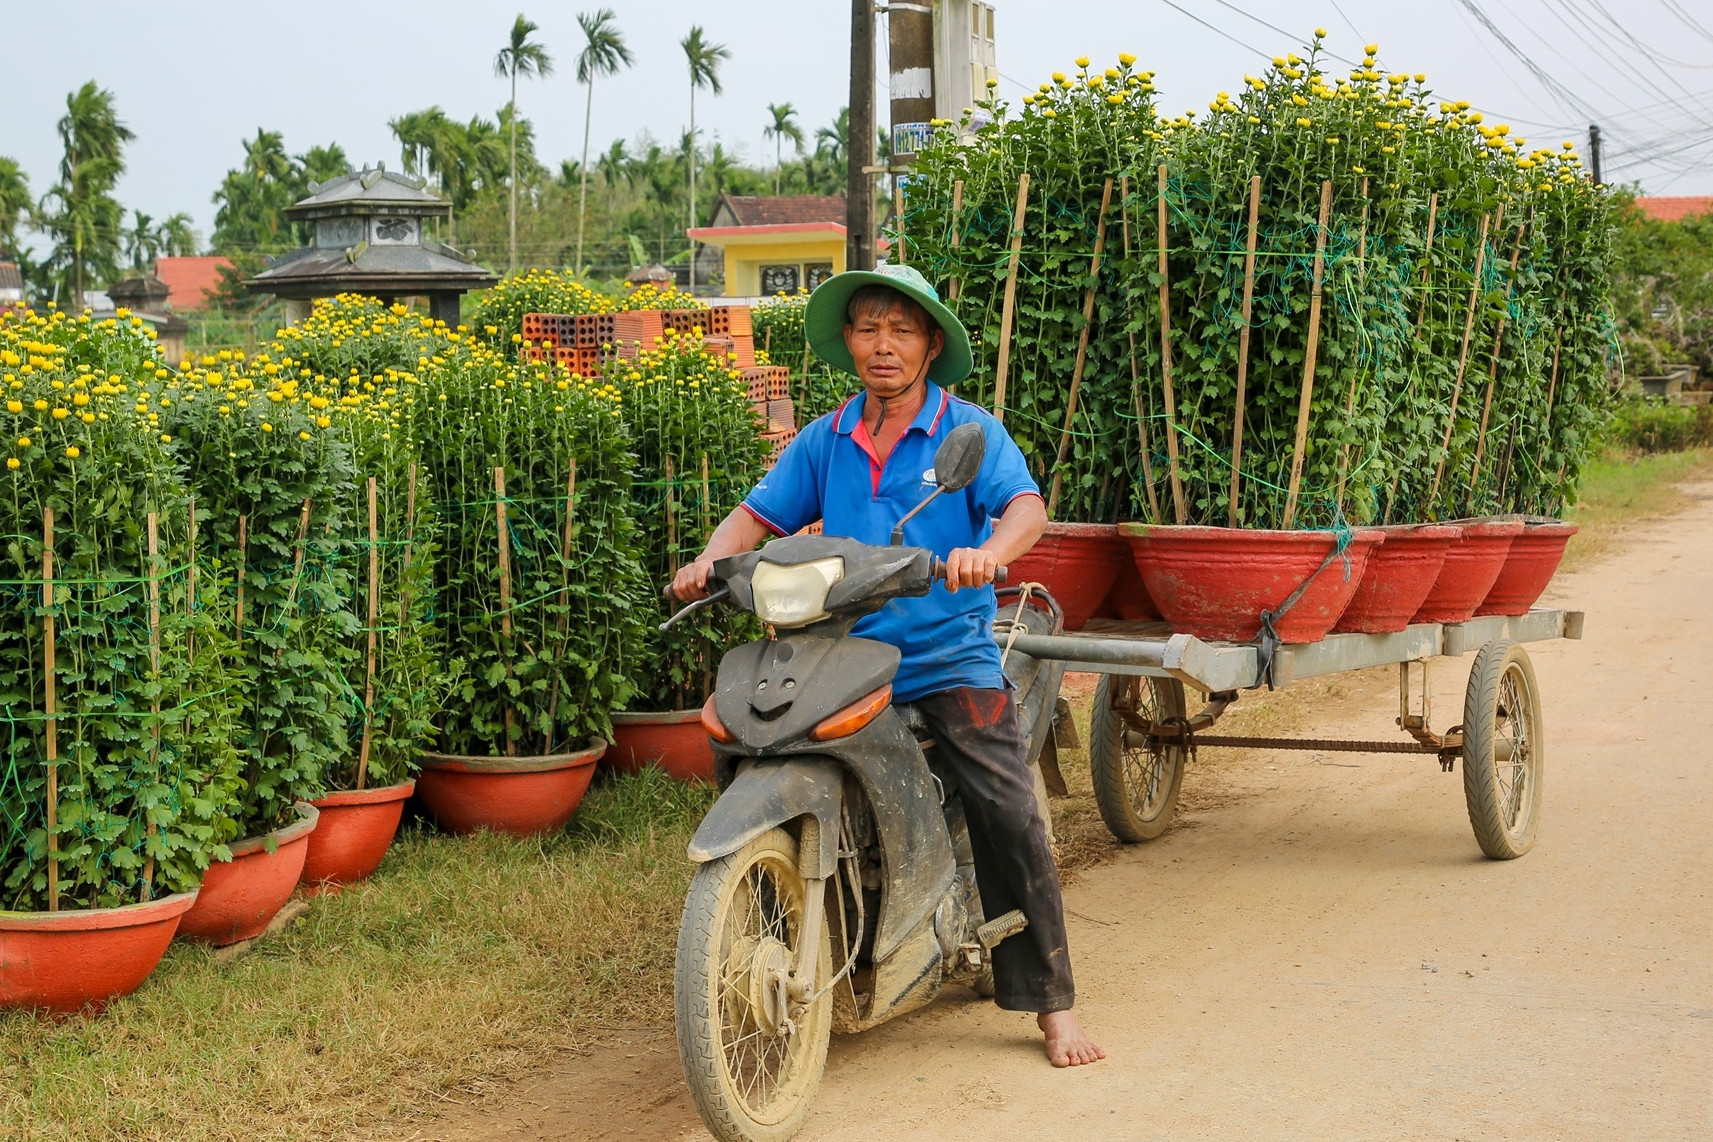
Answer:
x=772 y=244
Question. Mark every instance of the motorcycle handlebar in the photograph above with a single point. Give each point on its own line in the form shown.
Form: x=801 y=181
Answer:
x=937 y=570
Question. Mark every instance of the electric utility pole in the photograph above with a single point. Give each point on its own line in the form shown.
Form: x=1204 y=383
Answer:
x=1594 y=152
x=859 y=141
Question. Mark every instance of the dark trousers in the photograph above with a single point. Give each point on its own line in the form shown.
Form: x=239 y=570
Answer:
x=983 y=746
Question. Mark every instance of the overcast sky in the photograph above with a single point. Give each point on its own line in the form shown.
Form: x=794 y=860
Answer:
x=194 y=77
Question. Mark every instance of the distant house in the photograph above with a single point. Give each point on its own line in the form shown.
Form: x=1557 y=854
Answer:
x=773 y=244
x=11 y=286
x=1675 y=209
x=189 y=281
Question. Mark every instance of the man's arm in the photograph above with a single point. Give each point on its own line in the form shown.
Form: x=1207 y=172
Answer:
x=737 y=533
x=1019 y=526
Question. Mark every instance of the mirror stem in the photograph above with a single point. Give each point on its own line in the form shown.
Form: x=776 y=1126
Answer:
x=898 y=532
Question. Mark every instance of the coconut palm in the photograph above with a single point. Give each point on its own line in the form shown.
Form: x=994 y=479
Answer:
x=704 y=59
x=519 y=57
x=85 y=219
x=830 y=141
x=14 y=203
x=142 y=240
x=177 y=236
x=604 y=52
x=784 y=126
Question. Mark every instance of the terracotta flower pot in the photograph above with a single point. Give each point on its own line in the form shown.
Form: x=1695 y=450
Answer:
x=1129 y=599
x=674 y=740
x=1472 y=563
x=1214 y=582
x=64 y=962
x=522 y=796
x=240 y=896
x=1529 y=567
x=1077 y=563
x=1400 y=574
x=356 y=828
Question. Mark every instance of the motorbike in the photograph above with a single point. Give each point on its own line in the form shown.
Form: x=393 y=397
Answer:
x=835 y=886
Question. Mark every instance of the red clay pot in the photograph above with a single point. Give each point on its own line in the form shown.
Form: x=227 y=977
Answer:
x=1214 y=582
x=1400 y=574
x=240 y=896
x=1529 y=567
x=1472 y=564
x=1129 y=599
x=674 y=740
x=1076 y=562
x=522 y=796
x=356 y=828
x=60 y=963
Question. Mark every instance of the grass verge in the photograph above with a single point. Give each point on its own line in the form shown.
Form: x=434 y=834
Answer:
x=1620 y=491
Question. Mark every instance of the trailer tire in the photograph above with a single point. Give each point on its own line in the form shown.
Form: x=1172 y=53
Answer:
x=1136 y=786
x=1504 y=750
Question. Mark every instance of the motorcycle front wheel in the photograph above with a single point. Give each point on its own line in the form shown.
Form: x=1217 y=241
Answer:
x=752 y=1063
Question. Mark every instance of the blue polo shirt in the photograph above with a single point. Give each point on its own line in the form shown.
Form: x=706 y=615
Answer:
x=831 y=473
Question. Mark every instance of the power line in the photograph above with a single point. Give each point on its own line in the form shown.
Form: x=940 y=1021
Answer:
x=1218 y=31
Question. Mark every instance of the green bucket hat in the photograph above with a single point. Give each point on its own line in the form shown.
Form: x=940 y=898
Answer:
x=824 y=321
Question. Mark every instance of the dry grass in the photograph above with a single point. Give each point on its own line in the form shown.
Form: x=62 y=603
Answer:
x=1622 y=491
x=463 y=958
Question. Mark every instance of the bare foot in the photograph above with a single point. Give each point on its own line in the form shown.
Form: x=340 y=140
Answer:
x=1068 y=1045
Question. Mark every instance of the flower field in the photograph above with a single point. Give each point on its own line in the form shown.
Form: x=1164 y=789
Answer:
x=1325 y=299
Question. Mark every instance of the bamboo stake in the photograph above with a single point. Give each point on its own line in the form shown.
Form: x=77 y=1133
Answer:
x=243 y=555
x=898 y=216
x=1082 y=346
x=1136 y=374
x=1009 y=305
x=1493 y=366
x=190 y=584
x=297 y=555
x=1243 y=348
x=1362 y=234
x=1462 y=356
x=374 y=618
x=505 y=554
x=957 y=238
x=152 y=524
x=1305 y=402
x=51 y=706
x=1178 y=505
x=671 y=524
x=564 y=586
x=707 y=500
x=1427 y=258
x=409 y=539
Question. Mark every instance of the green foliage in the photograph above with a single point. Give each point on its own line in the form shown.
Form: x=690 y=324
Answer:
x=816 y=387
x=698 y=453
x=1398 y=429
x=252 y=198
x=1648 y=424
x=576 y=612
x=147 y=780
x=1662 y=291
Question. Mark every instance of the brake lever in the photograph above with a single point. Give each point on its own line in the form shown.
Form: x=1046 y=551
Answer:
x=717 y=596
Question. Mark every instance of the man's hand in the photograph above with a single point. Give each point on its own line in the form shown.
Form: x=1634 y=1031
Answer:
x=691 y=582
x=970 y=567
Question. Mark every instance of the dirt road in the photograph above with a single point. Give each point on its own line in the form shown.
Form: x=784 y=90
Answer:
x=1319 y=951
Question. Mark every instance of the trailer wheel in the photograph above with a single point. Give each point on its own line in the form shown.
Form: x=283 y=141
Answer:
x=1504 y=750
x=1135 y=782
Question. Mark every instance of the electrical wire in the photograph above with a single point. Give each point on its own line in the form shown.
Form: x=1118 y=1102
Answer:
x=1218 y=31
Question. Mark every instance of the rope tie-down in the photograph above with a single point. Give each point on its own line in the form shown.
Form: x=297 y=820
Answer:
x=1267 y=642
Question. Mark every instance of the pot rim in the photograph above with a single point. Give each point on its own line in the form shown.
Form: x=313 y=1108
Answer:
x=97 y=919
x=1072 y=530
x=657 y=717
x=1553 y=530
x=543 y=763
x=1204 y=531
x=1396 y=531
x=308 y=815
x=374 y=795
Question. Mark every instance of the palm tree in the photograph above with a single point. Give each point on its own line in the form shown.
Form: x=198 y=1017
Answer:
x=178 y=237
x=704 y=59
x=784 y=126
x=520 y=57
x=830 y=140
x=604 y=52
x=14 y=202
x=90 y=220
x=142 y=241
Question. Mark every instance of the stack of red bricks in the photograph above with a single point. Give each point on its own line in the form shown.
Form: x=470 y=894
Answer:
x=769 y=395
x=572 y=341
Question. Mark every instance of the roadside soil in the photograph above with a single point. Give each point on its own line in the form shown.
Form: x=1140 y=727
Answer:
x=1317 y=949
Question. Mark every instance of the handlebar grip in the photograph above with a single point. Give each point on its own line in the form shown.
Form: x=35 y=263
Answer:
x=669 y=594
x=1002 y=574
x=937 y=570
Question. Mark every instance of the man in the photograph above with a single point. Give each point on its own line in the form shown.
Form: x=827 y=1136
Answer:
x=859 y=469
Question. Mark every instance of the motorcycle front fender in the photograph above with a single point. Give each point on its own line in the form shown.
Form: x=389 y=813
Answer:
x=768 y=793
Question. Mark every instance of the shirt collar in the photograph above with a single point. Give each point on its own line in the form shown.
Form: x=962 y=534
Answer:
x=927 y=418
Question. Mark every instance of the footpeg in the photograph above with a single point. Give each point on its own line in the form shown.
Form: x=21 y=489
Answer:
x=995 y=930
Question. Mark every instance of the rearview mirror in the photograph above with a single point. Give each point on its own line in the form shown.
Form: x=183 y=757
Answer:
x=959 y=459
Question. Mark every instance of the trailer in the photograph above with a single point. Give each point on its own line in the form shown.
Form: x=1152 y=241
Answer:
x=1142 y=732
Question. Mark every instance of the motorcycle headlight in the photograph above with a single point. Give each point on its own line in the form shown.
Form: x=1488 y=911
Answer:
x=794 y=594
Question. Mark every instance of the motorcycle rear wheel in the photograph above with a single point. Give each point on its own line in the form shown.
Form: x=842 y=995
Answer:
x=752 y=1079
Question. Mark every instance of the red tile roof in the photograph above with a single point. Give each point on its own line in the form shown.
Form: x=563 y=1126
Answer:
x=1675 y=209
x=767 y=210
x=189 y=280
